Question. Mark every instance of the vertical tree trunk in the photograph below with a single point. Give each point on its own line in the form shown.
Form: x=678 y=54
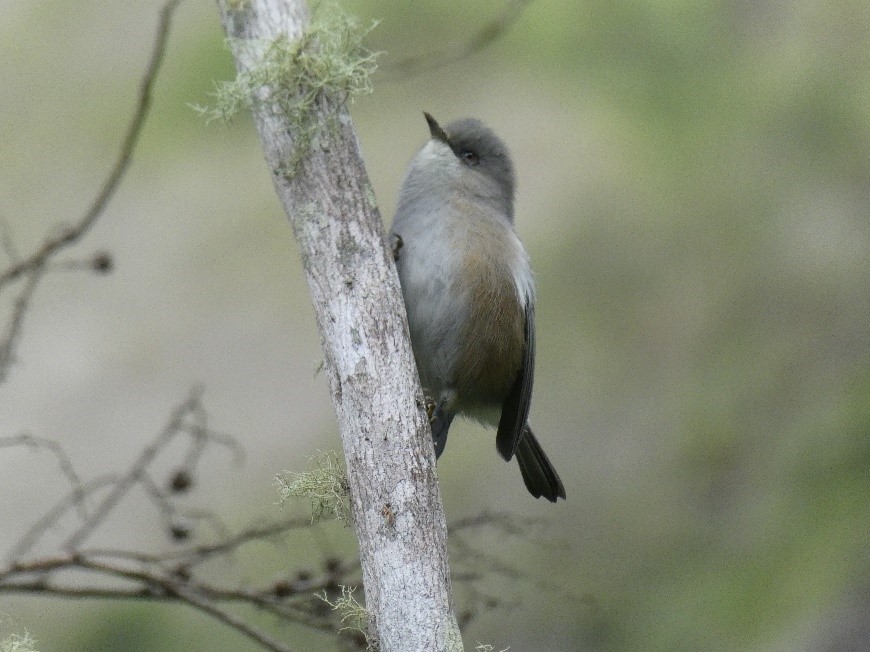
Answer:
x=396 y=503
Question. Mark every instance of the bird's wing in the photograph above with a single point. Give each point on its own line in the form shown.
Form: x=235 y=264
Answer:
x=515 y=411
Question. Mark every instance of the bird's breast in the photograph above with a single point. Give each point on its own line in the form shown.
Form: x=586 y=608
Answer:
x=466 y=281
x=493 y=336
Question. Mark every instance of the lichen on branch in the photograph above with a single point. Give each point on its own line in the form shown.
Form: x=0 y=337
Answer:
x=15 y=643
x=324 y=484
x=290 y=76
x=354 y=616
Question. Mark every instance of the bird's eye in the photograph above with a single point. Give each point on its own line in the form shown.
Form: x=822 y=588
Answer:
x=469 y=158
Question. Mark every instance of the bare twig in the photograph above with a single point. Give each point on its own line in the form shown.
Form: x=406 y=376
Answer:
x=149 y=584
x=63 y=461
x=158 y=576
x=203 y=435
x=228 y=618
x=136 y=472
x=505 y=522
x=173 y=587
x=201 y=553
x=69 y=236
x=52 y=516
x=482 y=38
x=34 y=265
x=7 y=243
x=13 y=330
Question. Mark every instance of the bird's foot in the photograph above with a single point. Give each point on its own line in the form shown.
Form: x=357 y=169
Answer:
x=396 y=244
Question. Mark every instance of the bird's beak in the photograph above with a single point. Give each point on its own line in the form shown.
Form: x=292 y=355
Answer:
x=435 y=129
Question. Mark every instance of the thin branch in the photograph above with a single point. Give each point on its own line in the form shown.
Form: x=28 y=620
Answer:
x=482 y=38
x=52 y=516
x=67 y=237
x=10 y=338
x=201 y=553
x=288 y=612
x=159 y=577
x=161 y=586
x=234 y=621
x=136 y=472
x=158 y=583
x=63 y=461
x=203 y=435
x=7 y=243
x=34 y=265
x=294 y=613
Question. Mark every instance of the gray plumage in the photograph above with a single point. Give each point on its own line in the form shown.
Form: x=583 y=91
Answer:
x=469 y=292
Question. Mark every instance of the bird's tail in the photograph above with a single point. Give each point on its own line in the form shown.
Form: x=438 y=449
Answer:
x=538 y=473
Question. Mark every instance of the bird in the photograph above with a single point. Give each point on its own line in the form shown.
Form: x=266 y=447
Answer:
x=469 y=292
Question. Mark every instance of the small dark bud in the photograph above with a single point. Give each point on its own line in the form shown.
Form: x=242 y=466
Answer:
x=180 y=481
x=332 y=564
x=282 y=589
x=102 y=262
x=182 y=572
x=181 y=529
x=303 y=576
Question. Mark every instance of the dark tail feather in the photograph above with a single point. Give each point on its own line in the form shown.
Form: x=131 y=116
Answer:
x=539 y=475
x=440 y=423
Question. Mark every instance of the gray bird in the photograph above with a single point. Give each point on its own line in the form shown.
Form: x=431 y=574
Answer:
x=469 y=292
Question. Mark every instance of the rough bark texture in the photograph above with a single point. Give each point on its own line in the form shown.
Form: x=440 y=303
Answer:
x=396 y=503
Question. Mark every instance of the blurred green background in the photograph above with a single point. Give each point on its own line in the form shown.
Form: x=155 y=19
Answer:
x=694 y=192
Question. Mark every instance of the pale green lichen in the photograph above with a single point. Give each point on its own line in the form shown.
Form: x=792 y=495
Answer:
x=328 y=60
x=371 y=200
x=486 y=647
x=324 y=484
x=354 y=616
x=15 y=643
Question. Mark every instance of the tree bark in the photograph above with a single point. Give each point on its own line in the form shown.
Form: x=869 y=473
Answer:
x=396 y=503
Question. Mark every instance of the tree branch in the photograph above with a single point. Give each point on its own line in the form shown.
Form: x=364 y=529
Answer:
x=324 y=189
